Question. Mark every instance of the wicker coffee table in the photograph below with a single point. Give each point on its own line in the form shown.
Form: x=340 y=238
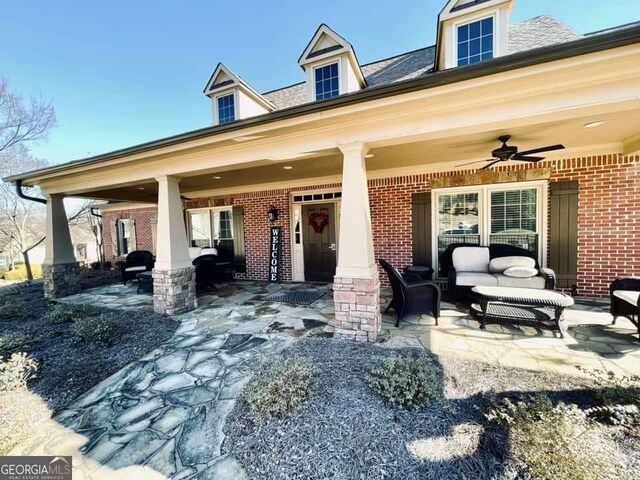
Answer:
x=539 y=308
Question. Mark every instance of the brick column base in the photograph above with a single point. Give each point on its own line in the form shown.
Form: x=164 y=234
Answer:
x=357 y=303
x=174 y=291
x=61 y=280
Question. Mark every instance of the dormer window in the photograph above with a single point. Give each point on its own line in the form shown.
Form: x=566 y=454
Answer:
x=475 y=42
x=226 y=109
x=232 y=98
x=327 y=81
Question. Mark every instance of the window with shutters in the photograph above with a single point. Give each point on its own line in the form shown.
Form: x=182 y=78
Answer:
x=125 y=236
x=209 y=226
x=512 y=214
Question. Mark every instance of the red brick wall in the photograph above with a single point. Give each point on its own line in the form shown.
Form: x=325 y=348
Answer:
x=143 y=217
x=609 y=218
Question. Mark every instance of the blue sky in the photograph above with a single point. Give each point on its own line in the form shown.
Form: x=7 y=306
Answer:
x=121 y=73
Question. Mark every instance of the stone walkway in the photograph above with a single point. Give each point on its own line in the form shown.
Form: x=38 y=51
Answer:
x=163 y=415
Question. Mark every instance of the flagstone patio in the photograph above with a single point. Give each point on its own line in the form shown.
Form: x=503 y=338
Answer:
x=162 y=416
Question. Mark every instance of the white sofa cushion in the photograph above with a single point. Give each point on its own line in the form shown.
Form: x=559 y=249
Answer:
x=471 y=259
x=500 y=264
x=194 y=252
x=471 y=279
x=629 y=296
x=531 y=282
x=520 y=272
x=135 y=269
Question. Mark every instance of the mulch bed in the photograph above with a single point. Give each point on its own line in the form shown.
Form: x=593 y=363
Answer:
x=345 y=431
x=67 y=367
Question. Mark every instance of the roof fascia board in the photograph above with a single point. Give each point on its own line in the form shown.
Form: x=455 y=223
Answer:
x=582 y=46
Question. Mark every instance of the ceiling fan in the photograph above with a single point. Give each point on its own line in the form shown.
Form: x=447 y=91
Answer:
x=506 y=153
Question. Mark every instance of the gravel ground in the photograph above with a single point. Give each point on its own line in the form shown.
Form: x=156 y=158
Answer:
x=346 y=432
x=68 y=368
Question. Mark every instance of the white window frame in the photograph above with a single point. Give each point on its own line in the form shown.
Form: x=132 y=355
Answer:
x=337 y=61
x=216 y=110
x=484 y=216
x=119 y=222
x=467 y=21
x=212 y=226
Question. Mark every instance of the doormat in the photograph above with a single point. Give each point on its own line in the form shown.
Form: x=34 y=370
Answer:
x=297 y=297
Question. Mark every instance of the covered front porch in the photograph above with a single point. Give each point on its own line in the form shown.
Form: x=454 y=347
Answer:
x=379 y=170
x=240 y=307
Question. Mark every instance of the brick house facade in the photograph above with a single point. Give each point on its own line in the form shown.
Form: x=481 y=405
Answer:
x=608 y=218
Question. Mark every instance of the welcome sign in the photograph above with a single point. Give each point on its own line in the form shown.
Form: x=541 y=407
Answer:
x=274 y=254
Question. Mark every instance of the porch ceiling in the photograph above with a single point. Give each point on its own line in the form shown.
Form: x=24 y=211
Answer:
x=418 y=155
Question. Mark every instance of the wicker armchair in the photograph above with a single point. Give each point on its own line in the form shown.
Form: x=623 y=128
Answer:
x=209 y=270
x=625 y=300
x=136 y=262
x=411 y=295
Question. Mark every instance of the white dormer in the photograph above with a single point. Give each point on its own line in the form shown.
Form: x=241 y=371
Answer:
x=331 y=66
x=232 y=98
x=472 y=31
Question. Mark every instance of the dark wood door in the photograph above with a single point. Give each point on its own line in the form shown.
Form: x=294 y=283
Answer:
x=319 y=248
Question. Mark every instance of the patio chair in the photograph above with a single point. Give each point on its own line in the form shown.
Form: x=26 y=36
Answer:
x=209 y=270
x=136 y=262
x=625 y=300
x=411 y=295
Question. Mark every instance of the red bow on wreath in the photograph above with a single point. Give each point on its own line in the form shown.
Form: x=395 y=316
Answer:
x=318 y=221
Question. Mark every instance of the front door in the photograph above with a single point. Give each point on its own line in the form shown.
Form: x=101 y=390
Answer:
x=319 y=242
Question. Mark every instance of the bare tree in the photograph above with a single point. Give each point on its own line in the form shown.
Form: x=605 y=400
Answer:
x=21 y=123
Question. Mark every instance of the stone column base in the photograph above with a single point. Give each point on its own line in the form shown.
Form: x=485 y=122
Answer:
x=174 y=291
x=357 y=303
x=61 y=280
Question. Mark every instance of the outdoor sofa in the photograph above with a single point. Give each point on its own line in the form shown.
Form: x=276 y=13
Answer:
x=411 y=294
x=135 y=263
x=625 y=300
x=498 y=265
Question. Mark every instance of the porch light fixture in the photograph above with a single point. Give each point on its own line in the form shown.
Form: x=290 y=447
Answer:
x=288 y=167
x=593 y=124
x=273 y=213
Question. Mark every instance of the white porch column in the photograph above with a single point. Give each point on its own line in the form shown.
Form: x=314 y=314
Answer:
x=174 y=278
x=60 y=269
x=356 y=284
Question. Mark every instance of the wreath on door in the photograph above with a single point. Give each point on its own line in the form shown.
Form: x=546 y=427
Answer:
x=318 y=221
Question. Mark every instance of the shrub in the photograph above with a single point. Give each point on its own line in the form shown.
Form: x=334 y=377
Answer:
x=20 y=410
x=10 y=342
x=15 y=372
x=405 y=382
x=619 y=399
x=95 y=329
x=548 y=442
x=280 y=388
x=11 y=307
x=19 y=273
x=64 y=313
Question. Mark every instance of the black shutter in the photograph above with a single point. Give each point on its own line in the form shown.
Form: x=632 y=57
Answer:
x=239 y=255
x=563 y=233
x=421 y=227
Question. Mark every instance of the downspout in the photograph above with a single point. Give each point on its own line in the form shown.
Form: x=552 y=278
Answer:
x=98 y=234
x=21 y=194
x=25 y=254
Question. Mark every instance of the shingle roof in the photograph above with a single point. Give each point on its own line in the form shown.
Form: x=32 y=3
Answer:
x=539 y=32
x=533 y=33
